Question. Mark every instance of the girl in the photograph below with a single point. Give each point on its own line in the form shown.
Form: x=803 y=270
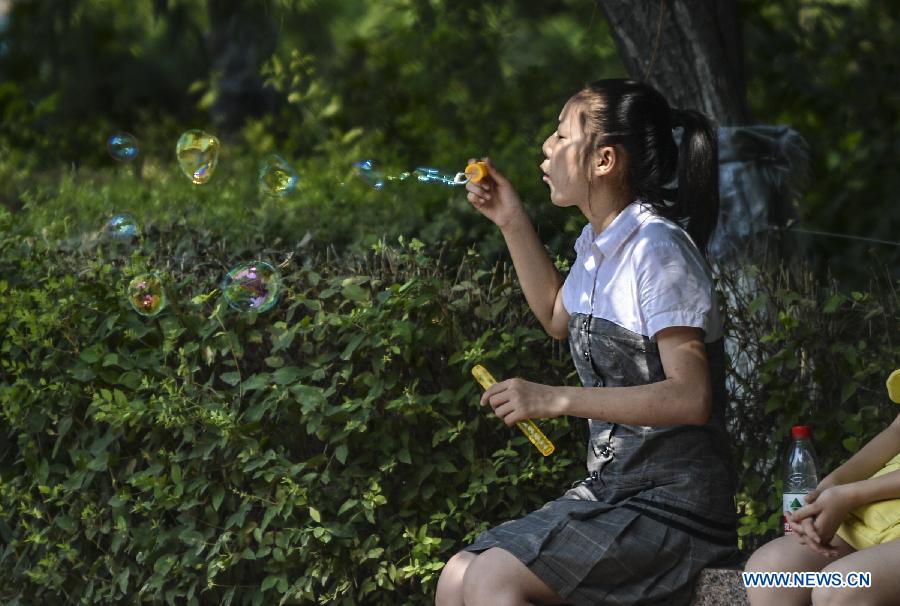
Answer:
x=850 y=524
x=640 y=312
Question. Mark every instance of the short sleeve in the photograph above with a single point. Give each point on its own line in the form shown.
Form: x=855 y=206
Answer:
x=673 y=287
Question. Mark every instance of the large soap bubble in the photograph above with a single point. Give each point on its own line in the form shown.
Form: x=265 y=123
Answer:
x=252 y=286
x=146 y=294
x=197 y=153
x=276 y=176
x=122 y=146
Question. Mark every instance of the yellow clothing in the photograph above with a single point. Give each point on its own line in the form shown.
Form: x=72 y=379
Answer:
x=874 y=523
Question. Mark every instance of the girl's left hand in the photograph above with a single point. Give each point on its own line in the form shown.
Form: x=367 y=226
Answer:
x=516 y=400
x=820 y=519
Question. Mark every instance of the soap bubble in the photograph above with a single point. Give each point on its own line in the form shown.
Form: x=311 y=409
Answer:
x=276 y=176
x=433 y=175
x=122 y=146
x=197 y=153
x=365 y=170
x=252 y=286
x=121 y=227
x=146 y=294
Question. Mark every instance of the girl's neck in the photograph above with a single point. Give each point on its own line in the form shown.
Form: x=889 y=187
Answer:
x=604 y=208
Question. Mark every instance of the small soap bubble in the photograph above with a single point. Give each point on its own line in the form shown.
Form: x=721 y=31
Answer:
x=197 y=153
x=122 y=227
x=433 y=175
x=276 y=176
x=146 y=294
x=122 y=146
x=252 y=286
x=365 y=170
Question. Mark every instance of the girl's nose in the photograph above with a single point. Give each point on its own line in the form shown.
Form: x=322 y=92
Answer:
x=546 y=146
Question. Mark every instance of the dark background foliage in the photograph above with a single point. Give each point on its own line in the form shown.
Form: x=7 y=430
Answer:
x=432 y=83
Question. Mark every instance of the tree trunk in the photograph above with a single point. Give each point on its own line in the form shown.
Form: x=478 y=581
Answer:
x=689 y=50
x=242 y=37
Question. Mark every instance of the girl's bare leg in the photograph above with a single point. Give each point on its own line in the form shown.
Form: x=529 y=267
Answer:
x=882 y=561
x=497 y=578
x=787 y=554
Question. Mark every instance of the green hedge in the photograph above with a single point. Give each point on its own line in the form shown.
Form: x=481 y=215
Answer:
x=332 y=450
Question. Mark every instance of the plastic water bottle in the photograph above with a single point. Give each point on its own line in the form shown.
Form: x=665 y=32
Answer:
x=801 y=474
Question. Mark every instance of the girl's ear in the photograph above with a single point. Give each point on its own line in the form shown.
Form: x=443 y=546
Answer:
x=606 y=160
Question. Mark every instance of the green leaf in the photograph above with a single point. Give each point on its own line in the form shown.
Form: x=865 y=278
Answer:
x=83 y=374
x=848 y=389
x=352 y=345
x=287 y=375
x=232 y=378
x=833 y=304
x=403 y=456
x=122 y=580
x=217 y=496
x=341 y=453
x=851 y=444
x=269 y=582
x=315 y=515
x=353 y=292
x=348 y=504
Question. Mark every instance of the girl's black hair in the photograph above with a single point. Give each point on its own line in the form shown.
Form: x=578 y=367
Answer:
x=637 y=117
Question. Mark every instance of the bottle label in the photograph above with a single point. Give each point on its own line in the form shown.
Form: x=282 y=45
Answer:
x=791 y=502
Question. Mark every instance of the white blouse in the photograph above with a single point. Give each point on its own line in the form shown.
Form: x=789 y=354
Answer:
x=644 y=273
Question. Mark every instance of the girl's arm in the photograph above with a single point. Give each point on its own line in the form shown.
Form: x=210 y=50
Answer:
x=537 y=275
x=684 y=397
x=496 y=199
x=883 y=487
x=868 y=460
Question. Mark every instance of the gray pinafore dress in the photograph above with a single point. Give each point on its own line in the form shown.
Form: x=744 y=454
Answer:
x=658 y=505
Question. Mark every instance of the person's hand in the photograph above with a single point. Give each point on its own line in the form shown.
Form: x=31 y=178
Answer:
x=816 y=522
x=494 y=196
x=516 y=400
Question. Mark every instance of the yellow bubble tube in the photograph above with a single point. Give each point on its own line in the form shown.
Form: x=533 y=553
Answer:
x=528 y=427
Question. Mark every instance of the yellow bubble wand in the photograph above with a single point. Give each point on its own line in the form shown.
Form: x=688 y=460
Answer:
x=528 y=427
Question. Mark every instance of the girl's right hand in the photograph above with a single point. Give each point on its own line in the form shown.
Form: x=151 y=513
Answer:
x=494 y=196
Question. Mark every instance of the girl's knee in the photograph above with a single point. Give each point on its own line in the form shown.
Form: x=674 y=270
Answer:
x=449 y=590
x=485 y=582
x=773 y=556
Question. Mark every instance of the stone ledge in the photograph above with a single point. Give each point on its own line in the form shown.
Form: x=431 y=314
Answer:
x=720 y=587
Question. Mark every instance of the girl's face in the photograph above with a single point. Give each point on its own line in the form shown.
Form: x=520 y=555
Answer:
x=563 y=167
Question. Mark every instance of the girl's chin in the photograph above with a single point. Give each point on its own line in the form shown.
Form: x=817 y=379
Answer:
x=557 y=201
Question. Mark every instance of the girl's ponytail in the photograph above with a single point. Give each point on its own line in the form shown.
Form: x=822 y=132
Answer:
x=698 y=175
